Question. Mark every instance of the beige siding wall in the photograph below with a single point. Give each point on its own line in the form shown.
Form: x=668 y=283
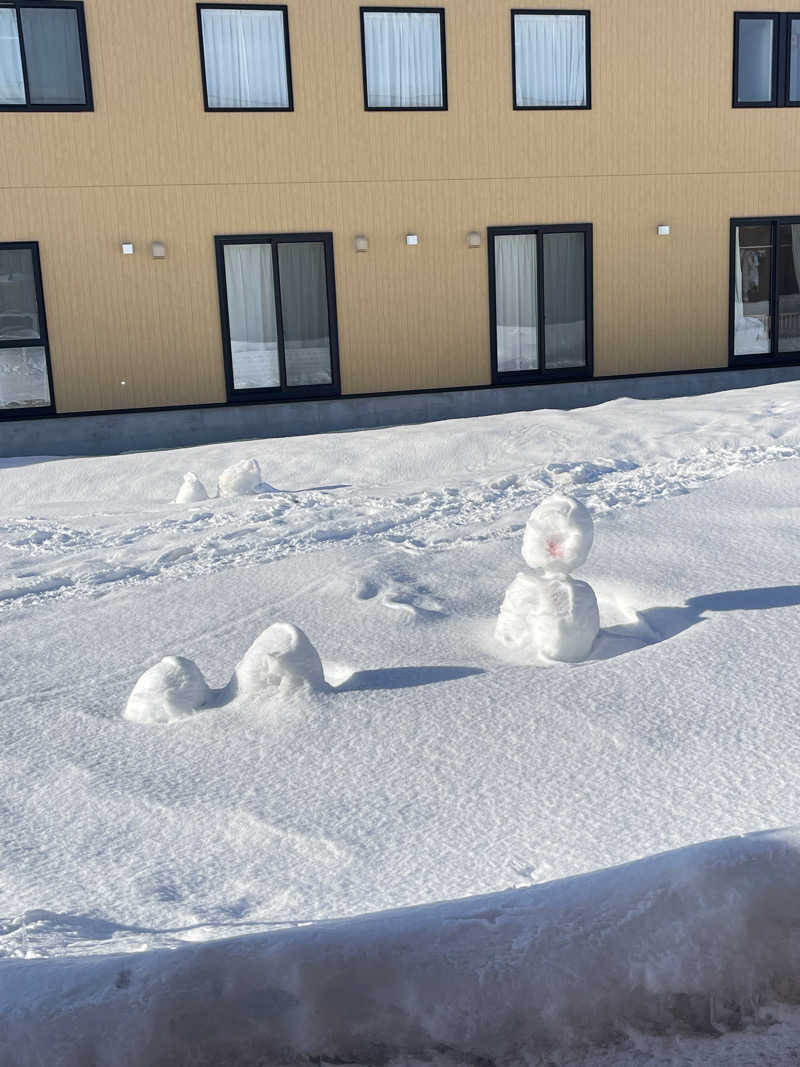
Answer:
x=661 y=144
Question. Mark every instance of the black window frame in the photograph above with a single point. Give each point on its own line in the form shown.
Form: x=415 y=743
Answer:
x=74 y=5
x=287 y=47
x=440 y=11
x=781 y=58
x=43 y=341
x=773 y=357
x=588 y=40
x=542 y=373
x=281 y=392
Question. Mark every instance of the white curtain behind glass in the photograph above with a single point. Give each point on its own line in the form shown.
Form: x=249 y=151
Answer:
x=251 y=314
x=564 y=299
x=516 y=302
x=550 y=60
x=304 y=306
x=755 y=60
x=403 y=52
x=12 y=87
x=53 y=55
x=245 y=58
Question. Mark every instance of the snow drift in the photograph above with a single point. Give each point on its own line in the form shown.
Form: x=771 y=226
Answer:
x=696 y=941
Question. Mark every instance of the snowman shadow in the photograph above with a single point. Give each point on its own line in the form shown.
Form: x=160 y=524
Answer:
x=654 y=625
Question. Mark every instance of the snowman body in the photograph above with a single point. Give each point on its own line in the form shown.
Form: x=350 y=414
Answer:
x=545 y=610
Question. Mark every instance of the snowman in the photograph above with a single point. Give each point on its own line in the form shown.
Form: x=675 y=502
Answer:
x=549 y=612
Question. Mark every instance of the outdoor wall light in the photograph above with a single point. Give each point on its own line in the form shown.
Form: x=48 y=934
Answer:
x=473 y=239
x=412 y=238
x=361 y=243
x=127 y=249
x=159 y=250
x=663 y=231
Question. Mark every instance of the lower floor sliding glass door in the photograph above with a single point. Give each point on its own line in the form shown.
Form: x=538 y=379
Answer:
x=24 y=350
x=765 y=289
x=541 y=302
x=278 y=307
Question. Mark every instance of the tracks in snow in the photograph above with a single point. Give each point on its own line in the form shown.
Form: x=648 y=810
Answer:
x=45 y=560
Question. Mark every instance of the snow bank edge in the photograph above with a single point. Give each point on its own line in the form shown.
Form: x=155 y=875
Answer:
x=694 y=940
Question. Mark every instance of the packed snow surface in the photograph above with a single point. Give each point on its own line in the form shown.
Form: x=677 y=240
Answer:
x=426 y=762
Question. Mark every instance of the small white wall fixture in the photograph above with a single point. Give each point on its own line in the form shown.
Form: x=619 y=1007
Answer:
x=412 y=238
x=127 y=248
x=663 y=230
x=361 y=243
x=159 y=250
x=473 y=239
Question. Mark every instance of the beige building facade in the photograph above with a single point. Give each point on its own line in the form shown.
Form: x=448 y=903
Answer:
x=486 y=187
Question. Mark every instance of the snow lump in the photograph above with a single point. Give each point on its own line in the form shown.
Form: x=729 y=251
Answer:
x=240 y=479
x=172 y=689
x=191 y=490
x=280 y=661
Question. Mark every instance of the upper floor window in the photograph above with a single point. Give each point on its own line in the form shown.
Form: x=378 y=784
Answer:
x=245 y=54
x=24 y=355
x=404 y=59
x=44 y=58
x=550 y=56
x=766 y=60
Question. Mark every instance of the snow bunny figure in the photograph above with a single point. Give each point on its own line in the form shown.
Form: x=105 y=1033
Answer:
x=552 y=613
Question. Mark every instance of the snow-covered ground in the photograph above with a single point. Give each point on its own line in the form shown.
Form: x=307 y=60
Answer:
x=436 y=767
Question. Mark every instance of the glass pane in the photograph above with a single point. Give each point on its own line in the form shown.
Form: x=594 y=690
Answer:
x=755 y=74
x=516 y=302
x=794 y=61
x=251 y=315
x=752 y=322
x=19 y=307
x=304 y=305
x=789 y=288
x=12 y=87
x=245 y=59
x=23 y=378
x=403 y=54
x=550 y=60
x=53 y=55
x=564 y=300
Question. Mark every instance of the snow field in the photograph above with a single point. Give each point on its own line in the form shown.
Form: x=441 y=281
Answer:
x=442 y=767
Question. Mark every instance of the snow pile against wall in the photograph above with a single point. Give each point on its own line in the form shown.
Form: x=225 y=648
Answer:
x=696 y=941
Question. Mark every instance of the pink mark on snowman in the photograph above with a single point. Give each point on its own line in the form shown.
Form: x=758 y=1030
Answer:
x=555 y=549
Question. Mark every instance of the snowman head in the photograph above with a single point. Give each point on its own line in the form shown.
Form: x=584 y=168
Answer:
x=558 y=535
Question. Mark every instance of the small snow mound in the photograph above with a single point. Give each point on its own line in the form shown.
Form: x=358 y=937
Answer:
x=191 y=490
x=282 y=656
x=173 y=689
x=558 y=535
x=240 y=479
